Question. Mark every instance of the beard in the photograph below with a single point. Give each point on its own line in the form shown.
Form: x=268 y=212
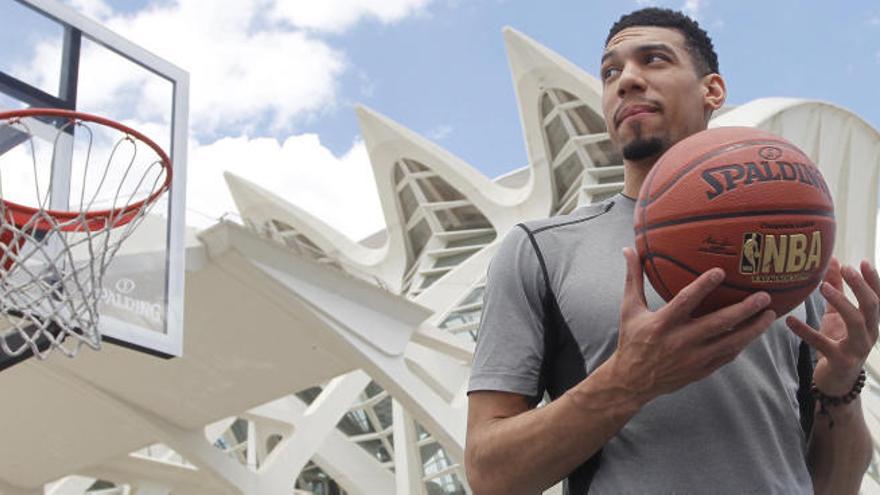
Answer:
x=643 y=147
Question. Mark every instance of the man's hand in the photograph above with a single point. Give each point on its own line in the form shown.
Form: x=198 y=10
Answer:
x=847 y=333
x=659 y=352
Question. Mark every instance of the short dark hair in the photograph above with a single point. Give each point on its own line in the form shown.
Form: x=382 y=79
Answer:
x=696 y=40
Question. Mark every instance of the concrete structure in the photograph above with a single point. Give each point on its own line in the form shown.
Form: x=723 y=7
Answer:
x=310 y=358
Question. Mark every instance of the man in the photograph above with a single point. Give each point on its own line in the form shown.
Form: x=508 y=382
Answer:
x=645 y=398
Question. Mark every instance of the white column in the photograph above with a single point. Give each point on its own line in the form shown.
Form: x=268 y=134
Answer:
x=407 y=461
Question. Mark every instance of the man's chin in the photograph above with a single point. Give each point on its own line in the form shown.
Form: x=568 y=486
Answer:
x=642 y=149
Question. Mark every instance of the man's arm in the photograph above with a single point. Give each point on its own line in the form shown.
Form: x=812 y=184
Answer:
x=513 y=450
x=839 y=456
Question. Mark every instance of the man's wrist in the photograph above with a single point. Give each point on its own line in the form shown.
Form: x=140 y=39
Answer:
x=607 y=388
x=838 y=384
x=839 y=404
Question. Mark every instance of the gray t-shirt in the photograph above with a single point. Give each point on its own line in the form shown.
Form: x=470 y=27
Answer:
x=550 y=317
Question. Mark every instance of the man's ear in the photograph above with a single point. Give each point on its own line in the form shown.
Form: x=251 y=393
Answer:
x=714 y=92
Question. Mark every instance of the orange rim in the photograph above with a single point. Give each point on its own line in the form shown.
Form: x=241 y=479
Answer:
x=94 y=220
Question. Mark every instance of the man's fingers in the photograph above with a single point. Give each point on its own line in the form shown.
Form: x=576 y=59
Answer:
x=686 y=301
x=867 y=298
x=634 y=287
x=724 y=320
x=837 y=299
x=835 y=278
x=871 y=276
x=735 y=340
x=814 y=339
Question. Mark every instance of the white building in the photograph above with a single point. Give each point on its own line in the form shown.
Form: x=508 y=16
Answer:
x=310 y=358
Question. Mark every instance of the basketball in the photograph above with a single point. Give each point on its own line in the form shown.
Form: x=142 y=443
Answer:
x=742 y=199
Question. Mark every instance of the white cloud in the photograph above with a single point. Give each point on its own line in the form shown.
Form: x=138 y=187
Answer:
x=241 y=77
x=92 y=8
x=338 y=15
x=692 y=8
x=339 y=190
x=252 y=63
x=439 y=133
x=646 y=3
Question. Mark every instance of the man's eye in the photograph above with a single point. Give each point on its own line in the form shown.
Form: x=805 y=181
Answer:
x=609 y=73
x=653 y=57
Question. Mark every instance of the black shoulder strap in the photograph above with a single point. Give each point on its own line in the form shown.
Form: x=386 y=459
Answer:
x=553 y=324
x=805 y=381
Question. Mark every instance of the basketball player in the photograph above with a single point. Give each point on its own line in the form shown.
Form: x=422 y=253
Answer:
x=645 y=398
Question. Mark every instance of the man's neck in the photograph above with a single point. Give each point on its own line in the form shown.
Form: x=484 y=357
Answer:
x=634 y=173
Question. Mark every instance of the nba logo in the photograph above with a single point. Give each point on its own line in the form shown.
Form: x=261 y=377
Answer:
x=750 y=259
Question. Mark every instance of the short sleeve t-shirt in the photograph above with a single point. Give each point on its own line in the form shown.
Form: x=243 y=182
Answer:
x=550 y=317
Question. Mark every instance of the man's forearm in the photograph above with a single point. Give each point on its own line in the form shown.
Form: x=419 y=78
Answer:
x=530 y=452
x=839 y=456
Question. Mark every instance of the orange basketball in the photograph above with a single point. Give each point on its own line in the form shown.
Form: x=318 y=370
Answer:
x=741 y=199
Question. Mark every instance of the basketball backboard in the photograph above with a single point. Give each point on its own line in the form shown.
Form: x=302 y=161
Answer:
x=53 y=56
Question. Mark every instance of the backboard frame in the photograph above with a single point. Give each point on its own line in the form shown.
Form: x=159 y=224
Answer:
x=76 y=26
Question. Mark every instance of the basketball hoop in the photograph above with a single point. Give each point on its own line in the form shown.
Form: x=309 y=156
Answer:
x=57 y=239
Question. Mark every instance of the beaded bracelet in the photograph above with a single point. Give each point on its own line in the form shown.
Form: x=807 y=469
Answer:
x=826 y=401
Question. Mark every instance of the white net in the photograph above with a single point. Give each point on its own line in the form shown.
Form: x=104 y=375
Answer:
x=71 y=191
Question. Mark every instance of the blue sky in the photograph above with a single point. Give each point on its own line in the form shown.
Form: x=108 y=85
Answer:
x=275 y=82
x=448 y=70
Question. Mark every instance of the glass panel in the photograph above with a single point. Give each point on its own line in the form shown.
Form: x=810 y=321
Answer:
x=115 y=87
x=398 y=173
x=281 y=226
x=462 y=218
x=309 y=395
x=239 y=430
x=30 y=47
x=454 y=260
x=408 y=202
x=419 y=237
x=376 y=449
x=430 y=279
x=472 y=241
x=603 y=154
x=314 y=480
x=564 y=96
x=586 y=121
x=476 y=295
x=437 y=189
x=373 y=389
x=383 y=412
x=448 y=484
x=355 y=423
x=566 y=173
x=272 y=442
x=101 y=485
x=461 y=318
x=546 y=105
x=422 y=432
x=415 y=166
x=431 y=453
x=599 y=197
x=557 y=135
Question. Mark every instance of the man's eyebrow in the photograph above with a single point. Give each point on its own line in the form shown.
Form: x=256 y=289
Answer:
x=648 y=47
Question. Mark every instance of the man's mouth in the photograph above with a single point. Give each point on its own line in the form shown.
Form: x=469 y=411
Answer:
x=633 y=109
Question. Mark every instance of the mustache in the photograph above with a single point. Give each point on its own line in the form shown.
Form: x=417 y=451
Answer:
x=630 y=103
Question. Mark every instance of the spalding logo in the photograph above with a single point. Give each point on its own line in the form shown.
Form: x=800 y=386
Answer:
x=125 y=285
x=725 y=178
x=773 y=258
x=770 y=152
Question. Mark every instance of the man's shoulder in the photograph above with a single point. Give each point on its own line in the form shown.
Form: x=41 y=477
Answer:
x=577 y=218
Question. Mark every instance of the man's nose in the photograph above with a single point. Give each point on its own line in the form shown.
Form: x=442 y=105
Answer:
x=630 y=79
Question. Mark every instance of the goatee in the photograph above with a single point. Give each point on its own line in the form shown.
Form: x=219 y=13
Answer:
x=642 y=148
